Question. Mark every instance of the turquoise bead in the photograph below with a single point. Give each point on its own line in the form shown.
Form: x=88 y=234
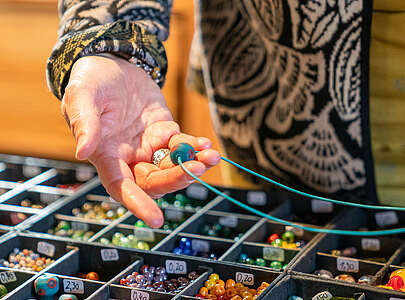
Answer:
x=183 y=151
x=46 y=285
x=67 y=297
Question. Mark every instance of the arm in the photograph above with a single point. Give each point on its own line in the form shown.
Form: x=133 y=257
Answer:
x=117 y=114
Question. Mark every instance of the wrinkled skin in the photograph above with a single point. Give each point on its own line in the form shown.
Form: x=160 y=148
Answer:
x=119 y=118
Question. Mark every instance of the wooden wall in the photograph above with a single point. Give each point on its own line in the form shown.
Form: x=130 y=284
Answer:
x=30 y=119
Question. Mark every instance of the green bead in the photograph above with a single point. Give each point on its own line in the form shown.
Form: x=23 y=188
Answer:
x=205 y=229
x=218 y=227
x=250 y=261
x=116 y=238
x=260 y=262
x=132 y=240
x=104 y=241
x=277 y=243
x=63 y=225
x=226 y=232
x=142 y=245
x=276 y=265
x=180 y=200
x=212 y=232
x=3 y=290
x=140 y=224
x=124 y=242
x=159 y=201
x=288 y=236
x=78 y=235
x=285 y=266
x=242 y=258
x=88 y=235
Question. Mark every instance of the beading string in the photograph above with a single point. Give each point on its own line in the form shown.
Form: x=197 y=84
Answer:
x=285 y=222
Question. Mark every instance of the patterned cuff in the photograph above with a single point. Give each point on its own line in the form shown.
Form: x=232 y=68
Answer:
x=123 y=37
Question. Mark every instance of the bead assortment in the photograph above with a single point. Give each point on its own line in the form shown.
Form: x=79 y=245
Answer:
x=129 y=241
x=185 y=248
x=364 y=279
x=26 y=260
x=245 y=259
x=99 y=211
x=287 y=240
x=64 y=229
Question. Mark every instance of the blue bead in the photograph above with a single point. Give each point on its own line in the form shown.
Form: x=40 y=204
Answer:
x=46 y=285
x=185 y=243
x=67 y=297
x=183 y=151
x=178 y=250
x=187 y=251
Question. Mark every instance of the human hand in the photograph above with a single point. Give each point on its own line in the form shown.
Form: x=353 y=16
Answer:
x=119 y=118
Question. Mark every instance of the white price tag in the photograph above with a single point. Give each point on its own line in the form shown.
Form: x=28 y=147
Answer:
x=256 y=198
x=245 y=278
x=46 y=248
x=6 y=277
x=174 y=214
x=371 y=244
x=84 y=173
x=48 y=198
x=80 y=226
x=30 y=171
x=139 y=295
x=229 y=221
x=144 y=234
x=321 y=207
x=322 y=296
x=176 y=267
x=109 y=254
x=73 y=286
x=347 y=265
x=386 y=218
x=270 y=253
x=392 y=298
x=297 y=231
x=200 y=246
x=197 y=191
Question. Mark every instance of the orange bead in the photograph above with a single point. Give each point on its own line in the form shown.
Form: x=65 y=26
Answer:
x=252 y=291
x=239 y=285
x=250 y=297
x=245 y=293
x=230 y=292
x=220 y=282
x=218 y=290
x=264 y=284
x=209 y=284
x=230 y=283
x=92 y=276
x=214 y=277
x=203 y=291
x=236 y=298
x=211 y=296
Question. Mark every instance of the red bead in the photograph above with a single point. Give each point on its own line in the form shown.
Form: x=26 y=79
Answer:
x=272 y=238
x=200 y=296
x=396 y=282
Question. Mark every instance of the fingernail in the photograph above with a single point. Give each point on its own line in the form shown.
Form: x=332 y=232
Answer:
x=204 y=143
x=156 y=223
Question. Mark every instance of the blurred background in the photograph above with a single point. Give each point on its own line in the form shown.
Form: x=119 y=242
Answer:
x=30 y=119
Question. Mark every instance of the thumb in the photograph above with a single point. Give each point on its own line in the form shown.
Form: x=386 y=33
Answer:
x=84 y=121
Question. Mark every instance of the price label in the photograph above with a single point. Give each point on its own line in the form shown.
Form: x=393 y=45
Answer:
x=6 y=277
x=386 y=218
x=297 y=231
x=347 y=265
x=176 y=267
x=80 y=226
x=200 y=246
x=144 y=234
x=257 y=198
x=197 y=191
x=46 y=248
x=30 y=171
x=109 y=254
x=322 y=296
x=174 y=215
x=84 y=173
x=371 y=244
x=245 y=278
x=73 y=286
x=321 y=207
x=48 y=198
x=270 y=253
x=138 y=295
x=229 y=221
x=391 y=298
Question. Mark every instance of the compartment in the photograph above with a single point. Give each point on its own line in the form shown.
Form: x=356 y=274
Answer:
x=174 y=217
x=19 y=172
x=259 y=256
x=266 y=234
x=225 y=225
x=194 y=245
x=331 y=265
x=12 y=279
x=33 y=199
x=48 y=251
x=132 y=237
x=71 y=178
x=14 y=215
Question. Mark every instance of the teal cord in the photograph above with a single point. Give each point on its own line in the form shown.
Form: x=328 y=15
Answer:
x=310 y=195
x=288 y=223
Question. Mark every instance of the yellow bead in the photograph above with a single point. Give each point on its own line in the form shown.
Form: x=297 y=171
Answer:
x=214 y=277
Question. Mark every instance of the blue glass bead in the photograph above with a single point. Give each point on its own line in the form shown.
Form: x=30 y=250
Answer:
x=187 y=251
x=243 y=257
x=183 y=151
x=46 y=285
x=295 y=298
x=185 y=243
x=178 y=250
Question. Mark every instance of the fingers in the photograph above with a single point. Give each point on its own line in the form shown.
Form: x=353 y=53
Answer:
x=118 y=180
x=208 y=157
x=80 y=110
x=157 y=182
x=198 y=143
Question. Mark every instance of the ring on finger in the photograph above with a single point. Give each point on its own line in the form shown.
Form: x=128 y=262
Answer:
x=158 y=156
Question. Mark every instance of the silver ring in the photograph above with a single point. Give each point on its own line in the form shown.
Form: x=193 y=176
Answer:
x=159 y=155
